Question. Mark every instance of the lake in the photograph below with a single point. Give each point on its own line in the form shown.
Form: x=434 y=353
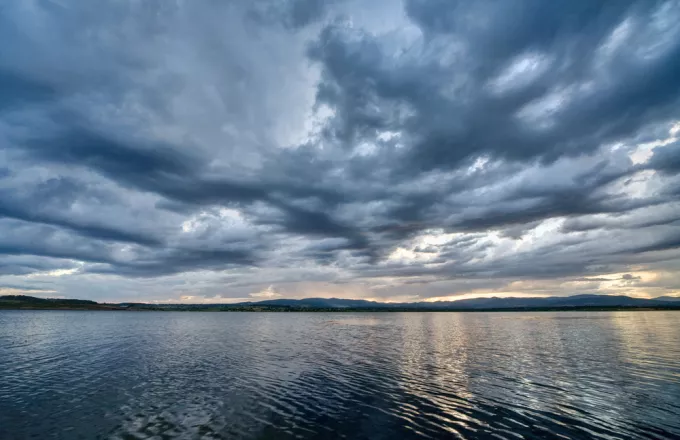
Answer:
x=157 y=375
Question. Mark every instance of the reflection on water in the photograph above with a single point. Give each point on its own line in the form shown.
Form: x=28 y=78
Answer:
x=118 y=375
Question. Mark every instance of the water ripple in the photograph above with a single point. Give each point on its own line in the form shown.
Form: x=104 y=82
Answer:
x=71 y=375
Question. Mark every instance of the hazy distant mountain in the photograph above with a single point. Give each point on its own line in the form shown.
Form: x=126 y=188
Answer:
x=476 y=303
x=667 y=298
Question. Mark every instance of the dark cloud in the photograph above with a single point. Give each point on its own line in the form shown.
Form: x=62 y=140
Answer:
x=448 y=107
x=666 y=159
x=177 y=260
x=31 y=263
x=104 y=257
x=121 y=160
x=292 y=13
x=51 y=201
x=653 y=216
x=17 y=91
x=456 y=145
x=665 y=242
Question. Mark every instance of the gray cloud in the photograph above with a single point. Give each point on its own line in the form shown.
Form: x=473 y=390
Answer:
x=463 y=146
x=292 y=13
x=667 y=159
x=440 y=88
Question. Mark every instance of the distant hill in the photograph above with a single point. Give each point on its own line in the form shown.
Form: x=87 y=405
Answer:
x=667 y=298
x=576 y=302
x=35 y=300
x=476 y=303
x=31 y=302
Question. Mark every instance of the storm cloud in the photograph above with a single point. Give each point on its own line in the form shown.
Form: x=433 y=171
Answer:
x=215 y=150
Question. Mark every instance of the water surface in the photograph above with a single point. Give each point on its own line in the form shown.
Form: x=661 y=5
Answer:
x=128 y=375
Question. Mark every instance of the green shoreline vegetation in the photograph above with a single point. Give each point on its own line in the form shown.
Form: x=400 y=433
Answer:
x=22 y=302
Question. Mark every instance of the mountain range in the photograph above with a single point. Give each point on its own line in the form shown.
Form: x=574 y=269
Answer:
x=324 y=304
x=475 y=303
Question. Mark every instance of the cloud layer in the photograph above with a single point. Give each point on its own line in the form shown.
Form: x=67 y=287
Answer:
x=217 y=151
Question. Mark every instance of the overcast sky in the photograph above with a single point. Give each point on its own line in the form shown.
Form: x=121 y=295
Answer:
x=214 y=151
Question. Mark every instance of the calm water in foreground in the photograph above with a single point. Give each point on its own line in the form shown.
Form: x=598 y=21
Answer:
x=127 y=375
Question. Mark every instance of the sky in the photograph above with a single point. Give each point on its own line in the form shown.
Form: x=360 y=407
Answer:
x=237 y=150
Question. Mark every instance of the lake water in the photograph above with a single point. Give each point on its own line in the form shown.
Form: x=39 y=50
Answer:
x=135 y=375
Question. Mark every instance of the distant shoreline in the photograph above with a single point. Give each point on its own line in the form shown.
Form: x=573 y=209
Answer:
x=284 y=309
x=595 y=303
